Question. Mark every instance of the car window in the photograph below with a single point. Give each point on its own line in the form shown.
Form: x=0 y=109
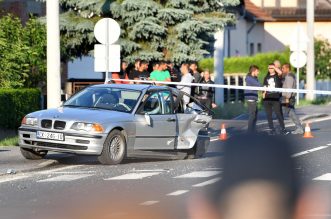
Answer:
x=178 y=104
x=116 y=99
x=152 y=105
x=166 y=102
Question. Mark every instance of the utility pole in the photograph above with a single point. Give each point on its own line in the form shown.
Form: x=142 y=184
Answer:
x=310 y=49
x=53 y=54
x=219 y=66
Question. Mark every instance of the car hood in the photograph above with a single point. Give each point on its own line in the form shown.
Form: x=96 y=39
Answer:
x=82 y=115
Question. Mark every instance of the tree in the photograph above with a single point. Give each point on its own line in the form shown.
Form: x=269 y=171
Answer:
x=22 y=52
x=323 y=58
x=176 y=30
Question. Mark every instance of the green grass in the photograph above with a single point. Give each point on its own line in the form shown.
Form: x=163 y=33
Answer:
x=317 y=101
x=12 y=141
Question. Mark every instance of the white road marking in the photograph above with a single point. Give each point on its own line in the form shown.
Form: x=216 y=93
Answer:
x=177 y=193
x=65 y=178
x=155 y=170
x=134 y=176
x=215 y=139
x=73 y=172
x=309 y=151
x=12 y=178
x=207 y=182
x=148 y=203
x=199 y=174
x=329 y=144
x=325 y=177
x=58 y=169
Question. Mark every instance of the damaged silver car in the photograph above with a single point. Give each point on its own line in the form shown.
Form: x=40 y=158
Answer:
x=119 y=121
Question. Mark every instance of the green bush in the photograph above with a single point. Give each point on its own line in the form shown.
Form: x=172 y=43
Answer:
x=241 y=64
x=15 y=104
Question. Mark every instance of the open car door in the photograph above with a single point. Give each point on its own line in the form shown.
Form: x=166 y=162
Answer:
x=192 y=119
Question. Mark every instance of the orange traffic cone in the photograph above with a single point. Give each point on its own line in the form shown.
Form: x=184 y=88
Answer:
x=308 y=133
x=223 y=135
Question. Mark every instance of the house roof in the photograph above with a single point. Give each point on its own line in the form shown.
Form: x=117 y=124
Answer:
x=298 y=14
x=257 y=12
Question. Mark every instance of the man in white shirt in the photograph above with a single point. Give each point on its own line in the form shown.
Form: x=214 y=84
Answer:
x=186 y=78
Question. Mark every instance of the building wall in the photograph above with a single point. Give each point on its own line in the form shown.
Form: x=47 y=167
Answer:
x=276 y=3
x=242 y=43
x=238 y=38
x=278 y=35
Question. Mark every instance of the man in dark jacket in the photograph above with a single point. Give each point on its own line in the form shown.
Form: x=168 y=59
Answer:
x=206 y=94
x=288 y=98
x=196 y=78
x=251 y=97
x=271 y=99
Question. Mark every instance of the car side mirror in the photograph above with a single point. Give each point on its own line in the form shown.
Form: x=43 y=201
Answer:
x=148 y=119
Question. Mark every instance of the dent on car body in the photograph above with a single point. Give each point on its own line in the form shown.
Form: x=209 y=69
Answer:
x=189 y=127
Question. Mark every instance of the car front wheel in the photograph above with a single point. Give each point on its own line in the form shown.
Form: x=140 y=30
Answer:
x=113 y=150
x=31 y=154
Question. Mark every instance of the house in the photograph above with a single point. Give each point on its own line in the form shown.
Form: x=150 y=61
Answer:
x=23 y=9
x=267 y=25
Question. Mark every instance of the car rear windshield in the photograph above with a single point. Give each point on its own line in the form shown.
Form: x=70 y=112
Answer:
x=116 y=99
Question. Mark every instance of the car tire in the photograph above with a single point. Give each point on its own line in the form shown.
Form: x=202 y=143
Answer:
x=191 y=153
x=114 y=149
x=31 y=154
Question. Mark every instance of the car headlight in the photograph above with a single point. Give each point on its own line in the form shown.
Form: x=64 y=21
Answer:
x=88 y=127
x=30 y=121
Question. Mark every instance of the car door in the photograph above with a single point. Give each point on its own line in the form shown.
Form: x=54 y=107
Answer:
x=156 y=123
x=191 y=119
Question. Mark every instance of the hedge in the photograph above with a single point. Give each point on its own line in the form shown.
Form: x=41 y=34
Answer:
x=241 y=64
x=15 y=104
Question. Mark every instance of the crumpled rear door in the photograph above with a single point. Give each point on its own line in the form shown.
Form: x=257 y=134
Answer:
x=189 y=126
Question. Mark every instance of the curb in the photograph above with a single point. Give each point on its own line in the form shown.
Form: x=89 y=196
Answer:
x=302 y=119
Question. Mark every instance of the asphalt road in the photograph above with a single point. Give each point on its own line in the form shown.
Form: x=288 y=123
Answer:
x=80 y=186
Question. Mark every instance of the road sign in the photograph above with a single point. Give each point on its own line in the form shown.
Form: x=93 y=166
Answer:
x=299 y=39
x=107 y=55
x=298 y=59
x=101 y=33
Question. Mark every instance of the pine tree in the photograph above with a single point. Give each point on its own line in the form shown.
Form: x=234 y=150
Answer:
x=175 y=30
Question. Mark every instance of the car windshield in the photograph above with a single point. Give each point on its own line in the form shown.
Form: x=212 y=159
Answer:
x=116 y=99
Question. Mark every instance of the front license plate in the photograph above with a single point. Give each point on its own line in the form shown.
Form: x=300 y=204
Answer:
x=50 y=135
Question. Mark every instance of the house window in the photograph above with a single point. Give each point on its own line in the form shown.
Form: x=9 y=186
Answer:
x=259 y=47
x=269 y=3
x=251 y=49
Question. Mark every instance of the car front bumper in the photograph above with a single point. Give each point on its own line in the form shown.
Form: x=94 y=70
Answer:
x=74 y=142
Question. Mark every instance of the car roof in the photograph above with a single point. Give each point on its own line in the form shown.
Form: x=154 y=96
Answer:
x=138 y=87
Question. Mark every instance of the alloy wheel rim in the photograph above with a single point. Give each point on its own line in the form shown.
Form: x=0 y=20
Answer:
x=116 y=148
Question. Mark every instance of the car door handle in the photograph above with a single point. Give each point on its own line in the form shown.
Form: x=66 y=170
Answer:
x=171 y=120
x=200 y=121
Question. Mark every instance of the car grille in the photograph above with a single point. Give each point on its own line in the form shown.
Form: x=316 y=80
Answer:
x=46 y=123
x=60 y=125
x=56 y=145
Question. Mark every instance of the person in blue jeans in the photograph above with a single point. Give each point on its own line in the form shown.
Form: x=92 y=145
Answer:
x=251 y=97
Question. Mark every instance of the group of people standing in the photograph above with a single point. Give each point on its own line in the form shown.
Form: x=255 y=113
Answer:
x=282 y=104
x=164 y=71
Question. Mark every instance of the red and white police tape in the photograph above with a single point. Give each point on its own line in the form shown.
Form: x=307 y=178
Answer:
x=223 y=86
